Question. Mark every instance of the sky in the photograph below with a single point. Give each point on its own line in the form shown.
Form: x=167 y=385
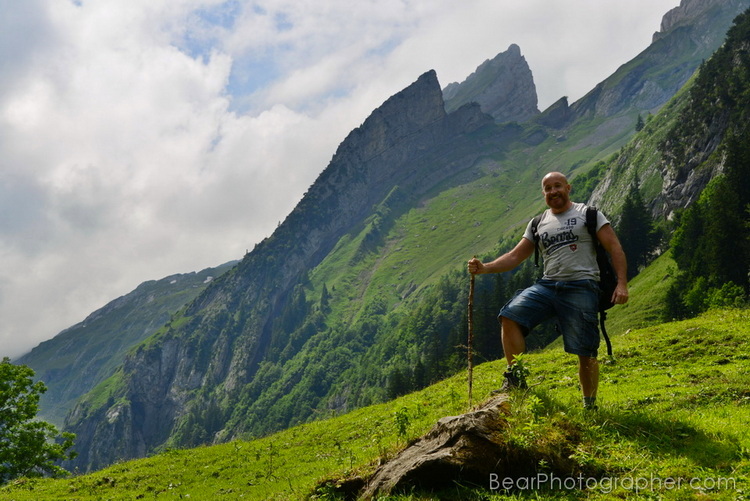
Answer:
x=144 y=138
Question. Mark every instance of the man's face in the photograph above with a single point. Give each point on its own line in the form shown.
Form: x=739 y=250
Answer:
x=556 y=192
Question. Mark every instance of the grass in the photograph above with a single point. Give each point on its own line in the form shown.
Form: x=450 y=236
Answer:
x=671 y=424
x=648 y=292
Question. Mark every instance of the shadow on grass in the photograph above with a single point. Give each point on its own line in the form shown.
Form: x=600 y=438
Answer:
x=666 y=436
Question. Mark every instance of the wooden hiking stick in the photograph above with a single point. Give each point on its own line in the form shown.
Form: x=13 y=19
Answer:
x=471 y=334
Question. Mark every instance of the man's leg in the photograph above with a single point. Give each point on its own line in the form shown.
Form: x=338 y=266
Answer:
x=530 y=306
x=588 y=374
x=513 y=344
x=512 y=338
x=577 y=311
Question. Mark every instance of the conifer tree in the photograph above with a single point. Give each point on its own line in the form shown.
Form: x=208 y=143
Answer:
x=636 y=230
x=639 y=124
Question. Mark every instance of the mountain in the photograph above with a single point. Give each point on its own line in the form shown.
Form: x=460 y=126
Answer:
x=82 y=356
x=503 y=87
x=360 y=293
x=213 y=354
x=674 y=157
x=689 y=34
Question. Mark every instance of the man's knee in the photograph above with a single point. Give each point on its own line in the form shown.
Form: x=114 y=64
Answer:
x=585 y=361
x=512 y=328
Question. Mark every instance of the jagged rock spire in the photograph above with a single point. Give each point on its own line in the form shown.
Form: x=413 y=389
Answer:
x=503 y=87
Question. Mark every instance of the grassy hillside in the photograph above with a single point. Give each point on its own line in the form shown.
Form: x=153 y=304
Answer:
x=673 y=406
x=673 y=410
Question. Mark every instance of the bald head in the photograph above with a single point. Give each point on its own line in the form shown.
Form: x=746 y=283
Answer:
x=556 y=176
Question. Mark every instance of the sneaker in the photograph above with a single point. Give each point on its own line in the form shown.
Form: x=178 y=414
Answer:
x=589 y=403
x=510 y=382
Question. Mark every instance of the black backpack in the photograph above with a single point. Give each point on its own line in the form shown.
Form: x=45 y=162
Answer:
x=607 y=276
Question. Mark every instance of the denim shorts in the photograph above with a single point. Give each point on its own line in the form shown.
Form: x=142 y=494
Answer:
x=575 y=304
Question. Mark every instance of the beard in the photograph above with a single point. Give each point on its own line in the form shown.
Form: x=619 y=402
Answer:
x=557 y=201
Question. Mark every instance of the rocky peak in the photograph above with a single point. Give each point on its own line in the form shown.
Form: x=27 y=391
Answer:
x=503 y=87
x=690 y=34
x=411 y=109
x=690 y=11
x=557 y=115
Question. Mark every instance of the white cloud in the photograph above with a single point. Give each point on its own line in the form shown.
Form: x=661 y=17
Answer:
x=140 y=138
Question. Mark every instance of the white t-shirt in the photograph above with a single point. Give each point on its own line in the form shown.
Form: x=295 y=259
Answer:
x=566 y=245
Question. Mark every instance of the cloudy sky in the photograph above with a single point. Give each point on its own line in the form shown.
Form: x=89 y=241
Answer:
x=143 y=138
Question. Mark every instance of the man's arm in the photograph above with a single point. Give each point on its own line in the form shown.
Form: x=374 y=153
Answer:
x=611 y=244
x=506 y=262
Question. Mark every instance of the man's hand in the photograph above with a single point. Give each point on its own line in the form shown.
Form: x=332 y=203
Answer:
x=620 y=295
x=475 y=266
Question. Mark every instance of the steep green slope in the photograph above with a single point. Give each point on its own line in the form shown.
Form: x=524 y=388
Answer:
x=671 y=425
x=675 y=156
x=82 y=356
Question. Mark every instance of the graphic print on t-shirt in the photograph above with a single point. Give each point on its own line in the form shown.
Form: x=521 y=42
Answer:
x=561 y=237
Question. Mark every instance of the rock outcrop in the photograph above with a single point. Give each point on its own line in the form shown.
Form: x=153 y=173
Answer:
x=503 y=87
x=557 y=116
x=472 y=448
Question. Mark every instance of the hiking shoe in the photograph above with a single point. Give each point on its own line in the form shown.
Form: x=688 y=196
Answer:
x=589 y=403
x=510 y=382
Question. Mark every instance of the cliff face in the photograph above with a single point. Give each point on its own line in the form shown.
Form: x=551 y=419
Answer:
x=503 y=87
x=700 y=129
x=80 y=357
x=213 y=352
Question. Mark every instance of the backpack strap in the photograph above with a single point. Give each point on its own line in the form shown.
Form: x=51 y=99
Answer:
x=591 y=227
x=602 y=318
x=535 y=233
x=591 y=223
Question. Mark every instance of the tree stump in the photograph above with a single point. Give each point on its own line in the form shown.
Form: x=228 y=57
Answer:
x=465 y=448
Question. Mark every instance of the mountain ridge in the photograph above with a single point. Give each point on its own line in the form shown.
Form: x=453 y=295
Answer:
x=173 y=367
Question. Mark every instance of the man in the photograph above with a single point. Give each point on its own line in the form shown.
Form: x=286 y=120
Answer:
x=568 y=290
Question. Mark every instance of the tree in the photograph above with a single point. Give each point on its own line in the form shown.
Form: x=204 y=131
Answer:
x=325 y=298
x=639 y=124
x=397 y=384
x=28 y=447
x=636 y=230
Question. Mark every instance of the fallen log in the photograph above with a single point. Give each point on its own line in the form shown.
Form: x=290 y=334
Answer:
x=465 y=448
